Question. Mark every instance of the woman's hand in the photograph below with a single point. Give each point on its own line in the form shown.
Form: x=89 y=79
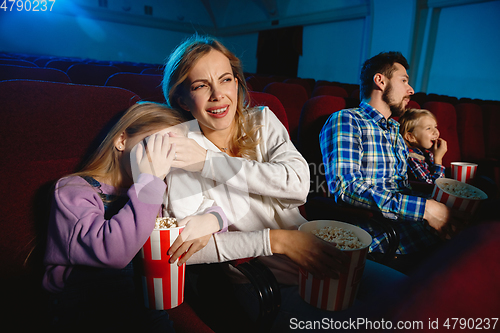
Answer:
x=194 y=237
x=320 y=258
x=439 y=148
x=155 y=157
x=190 y=156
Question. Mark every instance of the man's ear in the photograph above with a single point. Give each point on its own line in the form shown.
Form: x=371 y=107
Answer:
x=120 y=142
x=379 y=80
x=181 y=103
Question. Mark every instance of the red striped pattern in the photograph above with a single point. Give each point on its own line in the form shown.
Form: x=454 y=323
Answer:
x=460 y=204
x=463 y=172
x=334 y=295
x=163 y=283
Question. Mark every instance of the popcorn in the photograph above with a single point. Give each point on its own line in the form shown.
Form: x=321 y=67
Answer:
x=462 y=191
x=345 y=239
x=165 y=222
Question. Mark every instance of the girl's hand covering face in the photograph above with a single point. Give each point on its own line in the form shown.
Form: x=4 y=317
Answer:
x=153 y=155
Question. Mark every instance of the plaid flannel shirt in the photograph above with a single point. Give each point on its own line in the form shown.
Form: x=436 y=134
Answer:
x=365 y=164
x=424 y=169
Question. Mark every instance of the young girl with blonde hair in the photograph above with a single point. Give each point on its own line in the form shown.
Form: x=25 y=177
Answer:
x=101 y=217
x=419 y=129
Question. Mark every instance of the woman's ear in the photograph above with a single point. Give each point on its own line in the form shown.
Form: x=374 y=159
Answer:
x=181 y=103
x=120 y=142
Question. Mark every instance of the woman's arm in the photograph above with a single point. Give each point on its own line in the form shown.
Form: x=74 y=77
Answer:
x=280 y=171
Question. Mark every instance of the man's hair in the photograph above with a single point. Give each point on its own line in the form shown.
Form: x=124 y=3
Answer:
x=382 y=63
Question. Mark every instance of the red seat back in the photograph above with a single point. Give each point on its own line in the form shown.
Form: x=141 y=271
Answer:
x=293 y=97
x=491 y=120
x=330 y=91
x=308 y=84
x=46 y=129
x=91 y=74
x=271 y=101
x=61 y=64
x=147 y=86
x=258 y=82
x=413 y=105
x=9 y=72
x=17 y=62
x=314 y=115
x=470 y=131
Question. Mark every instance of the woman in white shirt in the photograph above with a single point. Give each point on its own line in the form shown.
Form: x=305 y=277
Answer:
x=241 y=159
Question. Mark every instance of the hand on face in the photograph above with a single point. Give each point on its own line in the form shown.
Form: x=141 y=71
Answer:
x=189 y=156
x=155 y=157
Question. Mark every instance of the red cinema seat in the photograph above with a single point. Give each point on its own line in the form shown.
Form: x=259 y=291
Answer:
x=491 y=120
x=17 y=62
x=271 y=101
x=47 y=128
x=470 y=131
x=61 y=64
x=413 y=105
x=314 y=115
x=308 y=84
x=293 y=97
x=258 y=82
x=9 y=72
x=91 y=74
x=147 y=86
x=330 y=91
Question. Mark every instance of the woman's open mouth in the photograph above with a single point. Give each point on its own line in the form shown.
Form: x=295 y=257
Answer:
x=218 y=112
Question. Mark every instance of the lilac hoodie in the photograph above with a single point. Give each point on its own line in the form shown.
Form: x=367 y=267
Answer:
x=78 y=233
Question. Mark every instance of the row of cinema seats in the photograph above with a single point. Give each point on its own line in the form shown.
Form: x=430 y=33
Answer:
x=143 y=79
x=478 y=141
x=468 y=126
x=46 y=128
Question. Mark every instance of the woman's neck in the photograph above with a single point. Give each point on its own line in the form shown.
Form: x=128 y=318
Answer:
x=220 y=138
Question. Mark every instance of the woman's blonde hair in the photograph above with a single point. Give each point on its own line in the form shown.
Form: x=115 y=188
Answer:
x=409 y=120
x=178 y=66
x=142 y=117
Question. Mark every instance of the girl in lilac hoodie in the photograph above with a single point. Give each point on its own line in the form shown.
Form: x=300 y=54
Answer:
x=102 y=216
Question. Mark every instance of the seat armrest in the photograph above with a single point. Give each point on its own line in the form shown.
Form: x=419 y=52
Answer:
x=266 y=287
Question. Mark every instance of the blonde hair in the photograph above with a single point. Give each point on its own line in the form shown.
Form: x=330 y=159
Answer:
x=142 y=117
x=244 y=139
x=409 y=120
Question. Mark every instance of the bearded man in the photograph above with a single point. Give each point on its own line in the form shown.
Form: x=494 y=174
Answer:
x=365 y=158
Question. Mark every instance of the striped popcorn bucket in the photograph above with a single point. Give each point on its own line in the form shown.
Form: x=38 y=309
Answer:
x=162 y=282
x=335 y=294
x=463 y=171
x=452 y=200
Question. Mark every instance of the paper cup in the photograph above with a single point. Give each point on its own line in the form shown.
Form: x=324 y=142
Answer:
x=162 y=282
x=463 y=171
x=330 y=294
x=451 y=193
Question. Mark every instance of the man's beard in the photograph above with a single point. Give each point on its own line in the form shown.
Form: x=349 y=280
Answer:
x=397 y=109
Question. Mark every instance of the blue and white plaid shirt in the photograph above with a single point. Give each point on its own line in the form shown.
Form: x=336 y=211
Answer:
x=365 y=165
